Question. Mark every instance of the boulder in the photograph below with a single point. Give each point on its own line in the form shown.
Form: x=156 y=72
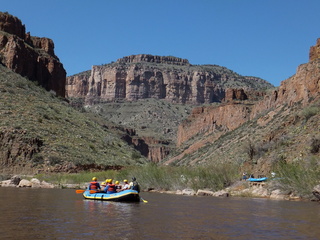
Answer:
x=201 y=192
x=221 y=193
x=278 y=195
x=46 y=185
x=316 y=191
x=35 y=183
x=12 y=182
x=15 y=180
x=25 y=183
x=7 y=183
x=259 y=192
x=188 y=191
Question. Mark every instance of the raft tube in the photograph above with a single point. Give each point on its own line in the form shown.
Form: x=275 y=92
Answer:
x=123 y=196
x=257 y=179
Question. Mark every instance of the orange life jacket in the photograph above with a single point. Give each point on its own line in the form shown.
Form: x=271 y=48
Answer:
x=93 y=186
x=111 y=188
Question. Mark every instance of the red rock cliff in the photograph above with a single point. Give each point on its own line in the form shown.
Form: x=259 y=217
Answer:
x=29 y=56
x=303 y=87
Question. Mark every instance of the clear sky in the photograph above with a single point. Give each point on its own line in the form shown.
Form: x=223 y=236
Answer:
x=263 y=38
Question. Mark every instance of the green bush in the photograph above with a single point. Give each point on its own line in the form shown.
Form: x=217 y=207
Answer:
x=298 y=177
x=308 y=112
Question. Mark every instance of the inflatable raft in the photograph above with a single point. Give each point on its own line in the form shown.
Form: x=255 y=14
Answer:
x=257 y=179
x=123 y=196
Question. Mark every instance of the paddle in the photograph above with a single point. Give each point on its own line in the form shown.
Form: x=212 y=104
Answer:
x=82 y=191
x=145 y=201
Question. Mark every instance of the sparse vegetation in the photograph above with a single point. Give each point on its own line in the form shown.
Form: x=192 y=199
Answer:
x=68 y=135
x=152 y=176
x=298 y=177
x=310 y=111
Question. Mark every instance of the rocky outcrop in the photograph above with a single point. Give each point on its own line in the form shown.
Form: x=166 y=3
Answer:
x=153 y=149
x=315 y=51
x=303 y=87
x=17 y=149
x=77 y=85
x=147 y=76
x=205 y=120
x=154 y=59
x=29 y=56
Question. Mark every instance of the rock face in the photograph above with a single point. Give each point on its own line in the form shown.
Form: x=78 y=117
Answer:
x=16 y=149
x=153 y=149
x=303 y=87
x=205 y=120
x=147 y=76
x=29 y=56
x=315 y=51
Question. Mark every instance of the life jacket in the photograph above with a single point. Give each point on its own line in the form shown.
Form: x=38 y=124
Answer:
x=93 y=185
x=111 y=188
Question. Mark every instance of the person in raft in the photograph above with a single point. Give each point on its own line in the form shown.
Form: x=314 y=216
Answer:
x=103 y=185
x=134 y=185
x=110 y=188
x=94 y=185
x=125 y=185
x=118 y=186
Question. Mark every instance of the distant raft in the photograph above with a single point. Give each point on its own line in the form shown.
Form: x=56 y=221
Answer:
x=123 y=196
x=257 y=179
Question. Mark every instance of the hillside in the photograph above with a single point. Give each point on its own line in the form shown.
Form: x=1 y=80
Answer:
x=282 y=127
x=40 y=132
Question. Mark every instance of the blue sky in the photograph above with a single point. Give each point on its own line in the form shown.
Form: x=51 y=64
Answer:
x=262 y=38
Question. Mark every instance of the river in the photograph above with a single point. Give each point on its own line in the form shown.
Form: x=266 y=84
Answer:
x=63 y=214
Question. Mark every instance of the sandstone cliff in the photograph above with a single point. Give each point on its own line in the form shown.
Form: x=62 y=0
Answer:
x=147 y=76
x=302 y=89
x=30 y=56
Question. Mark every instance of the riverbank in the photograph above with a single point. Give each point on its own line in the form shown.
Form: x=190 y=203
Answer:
x=238 y=189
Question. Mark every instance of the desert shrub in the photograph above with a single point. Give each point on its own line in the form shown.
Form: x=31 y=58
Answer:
x=214 y=177
x=54 y=160
x=298 y=177
x=308 y=112
x=315 y=145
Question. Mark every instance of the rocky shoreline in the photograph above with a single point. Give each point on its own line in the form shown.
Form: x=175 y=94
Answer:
x=238 y=189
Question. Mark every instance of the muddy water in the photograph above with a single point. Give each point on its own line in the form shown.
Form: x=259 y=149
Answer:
x=63 y=214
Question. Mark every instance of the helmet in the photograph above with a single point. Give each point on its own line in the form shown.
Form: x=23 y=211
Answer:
x=117 y=182
x=103 y=183
x=125 y=180
x=110 y=180
x=107 y=180
x=94 y=179
x=133 y=179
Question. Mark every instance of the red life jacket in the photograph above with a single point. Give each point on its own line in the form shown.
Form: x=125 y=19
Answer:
x=93 y=186
x=112 y=188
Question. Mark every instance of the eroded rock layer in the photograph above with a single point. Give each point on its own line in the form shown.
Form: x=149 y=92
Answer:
x=147 y=76
x=31 y=57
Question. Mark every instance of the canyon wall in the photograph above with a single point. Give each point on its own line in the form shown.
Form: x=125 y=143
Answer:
x=147 y=76
x=31 y=57
x=303 y=87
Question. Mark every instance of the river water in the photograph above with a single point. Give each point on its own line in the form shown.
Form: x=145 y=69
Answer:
x=63 y=214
